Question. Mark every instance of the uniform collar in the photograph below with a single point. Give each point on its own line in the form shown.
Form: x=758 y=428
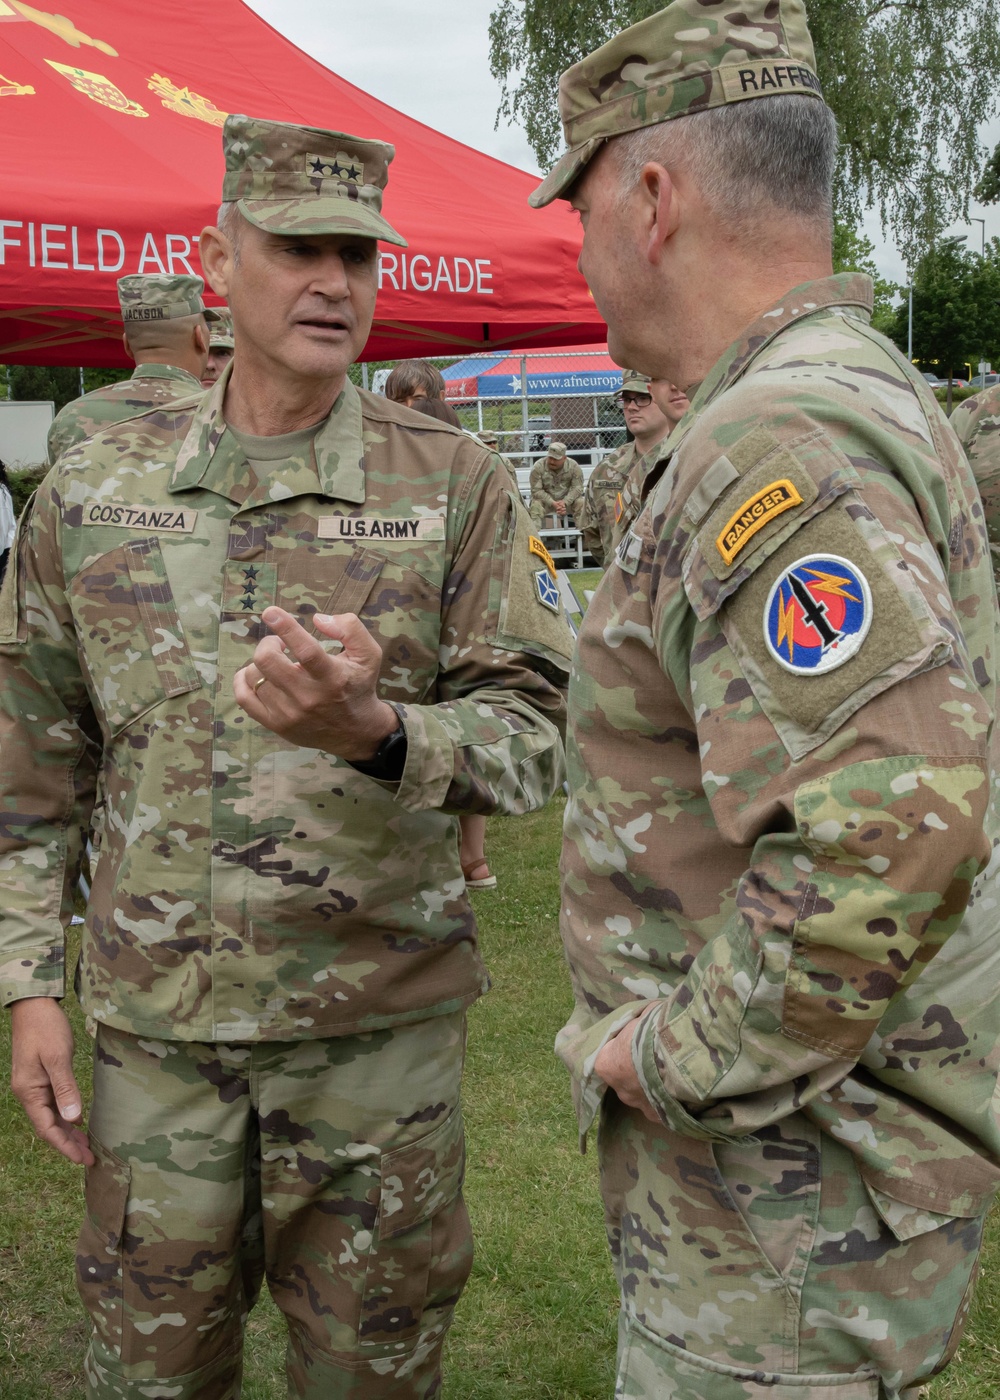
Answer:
x=333 y=464
x=167 y=372
x=850 y=290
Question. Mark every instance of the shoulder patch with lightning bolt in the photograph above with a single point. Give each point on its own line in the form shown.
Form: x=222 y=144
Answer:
x=817 y=614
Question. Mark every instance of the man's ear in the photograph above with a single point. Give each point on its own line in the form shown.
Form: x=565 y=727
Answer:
x=201 y=338
x=128 y=348
x=216 y=253
x=661 y=206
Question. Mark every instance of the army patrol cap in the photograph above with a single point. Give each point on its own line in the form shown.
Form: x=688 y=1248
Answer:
x=557 y=451
x=634 y=382
x=221 y=330
x=489 y=438
x=303 y=180
x=159 y=297
x=693 y=55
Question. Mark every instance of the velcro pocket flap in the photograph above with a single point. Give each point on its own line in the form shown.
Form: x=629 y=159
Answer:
x=777 y=488
x=417 y=1180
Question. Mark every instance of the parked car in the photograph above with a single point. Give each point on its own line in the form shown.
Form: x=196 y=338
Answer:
x=984 y=381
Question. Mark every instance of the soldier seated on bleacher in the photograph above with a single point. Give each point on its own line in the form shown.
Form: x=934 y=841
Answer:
x=556 y=488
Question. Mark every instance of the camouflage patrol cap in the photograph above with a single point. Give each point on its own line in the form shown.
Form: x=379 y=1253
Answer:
x=489 y=437
x=635 y=382
x=304 y=180
x=158 y=297
x=221 y=330
x=687 y=58
x=557 y=451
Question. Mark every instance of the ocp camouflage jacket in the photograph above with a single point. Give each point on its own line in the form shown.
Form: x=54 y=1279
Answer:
x=246 y=888
x=783 y=825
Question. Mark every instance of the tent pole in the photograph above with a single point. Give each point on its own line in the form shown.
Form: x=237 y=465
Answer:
x=524 y=405
x=364 y=374
x=81 y=381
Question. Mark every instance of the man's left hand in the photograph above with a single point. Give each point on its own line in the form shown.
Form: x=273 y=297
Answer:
x=614 y=1065
x=296 y=688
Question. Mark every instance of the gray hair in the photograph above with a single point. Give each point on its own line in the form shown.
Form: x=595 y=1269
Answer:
x=229 y=221
x=750 y=160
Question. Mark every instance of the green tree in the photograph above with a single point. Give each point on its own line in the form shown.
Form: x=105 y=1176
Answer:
x=852 y=252
x=60 y=383
x=55 y=382
x=909 y=80
x=956 y=309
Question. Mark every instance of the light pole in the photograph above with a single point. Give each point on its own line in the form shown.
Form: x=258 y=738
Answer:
x=982 y=253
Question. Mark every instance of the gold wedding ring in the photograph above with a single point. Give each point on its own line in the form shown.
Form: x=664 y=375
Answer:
x=258 y=683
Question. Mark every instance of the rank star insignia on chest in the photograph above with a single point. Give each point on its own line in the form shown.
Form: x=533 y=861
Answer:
x=547 y=590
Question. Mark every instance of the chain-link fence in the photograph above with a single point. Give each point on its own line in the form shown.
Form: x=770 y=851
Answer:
x=569 y=397
x=540 y=402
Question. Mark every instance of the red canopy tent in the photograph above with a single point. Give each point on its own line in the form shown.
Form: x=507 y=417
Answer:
x=111 y=163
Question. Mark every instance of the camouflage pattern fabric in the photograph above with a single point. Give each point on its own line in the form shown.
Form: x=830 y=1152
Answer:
x=977 y=425
x=602 y=501
x=220 y=330
x=549 y=485
x=149 y=387
x=161 y=297
x=805 y=1280
x=247 y=889
x=303 y=180
x=688 y=57
x=798 y=868
x=352 y=1204
x=633 y=490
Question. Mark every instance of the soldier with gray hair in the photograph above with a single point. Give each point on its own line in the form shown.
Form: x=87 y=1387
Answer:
x=297 y=631
x=780 y=861
x=166 y=333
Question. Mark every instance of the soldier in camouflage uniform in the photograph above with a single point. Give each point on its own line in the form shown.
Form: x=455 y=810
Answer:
x=221 y=346
x=167 y=335
x=492 y=441
x=977 y=425
x=297 y=631
x=602 y=517
x=780 y=869
x=556 y=486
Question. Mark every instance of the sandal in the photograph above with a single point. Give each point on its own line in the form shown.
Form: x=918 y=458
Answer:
x=481 y=882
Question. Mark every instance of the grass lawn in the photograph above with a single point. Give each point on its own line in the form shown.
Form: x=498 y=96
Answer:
x=537 y=1321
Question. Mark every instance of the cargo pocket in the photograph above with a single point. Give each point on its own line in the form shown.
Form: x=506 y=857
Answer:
x=99 y=1248
x=422 y=1253
x=130 y=633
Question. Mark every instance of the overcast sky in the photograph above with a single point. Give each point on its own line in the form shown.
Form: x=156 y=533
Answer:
x=430 y=59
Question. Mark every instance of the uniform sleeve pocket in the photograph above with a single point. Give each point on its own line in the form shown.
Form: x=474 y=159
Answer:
x=422 y=1255
x=130 y=633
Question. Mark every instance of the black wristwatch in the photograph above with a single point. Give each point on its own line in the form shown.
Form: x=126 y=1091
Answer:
x=389 y=759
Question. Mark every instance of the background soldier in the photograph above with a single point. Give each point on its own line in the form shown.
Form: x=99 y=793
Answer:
x=602 y=514
x=279 y=946
x=977 y=424
x=492 y=441
x=166 y=333
x=221 y=345
x=781 y=753
x=556 y=486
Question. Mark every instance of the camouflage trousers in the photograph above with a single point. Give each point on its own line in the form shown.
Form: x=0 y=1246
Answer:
x=763 y=1272
x=333 y=1167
